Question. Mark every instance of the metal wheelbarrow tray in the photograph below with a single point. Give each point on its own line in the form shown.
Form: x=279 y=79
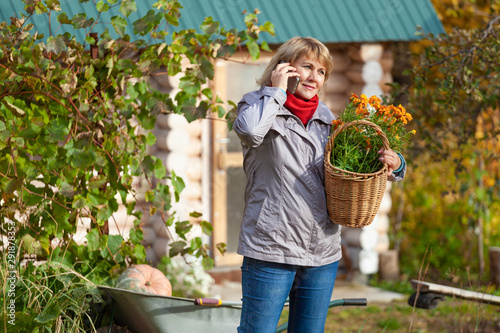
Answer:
x=147 y=313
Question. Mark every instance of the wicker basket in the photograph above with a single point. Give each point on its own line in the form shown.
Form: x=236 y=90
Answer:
x=353 y=199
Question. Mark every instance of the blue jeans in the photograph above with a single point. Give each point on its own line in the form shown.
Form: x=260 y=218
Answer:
x=266 y=286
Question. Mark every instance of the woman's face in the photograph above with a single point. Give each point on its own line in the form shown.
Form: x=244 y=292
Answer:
x=312 y=77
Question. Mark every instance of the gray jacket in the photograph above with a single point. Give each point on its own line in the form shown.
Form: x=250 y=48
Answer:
x=285 y=218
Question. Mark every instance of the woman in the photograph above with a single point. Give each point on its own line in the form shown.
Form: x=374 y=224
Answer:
x=290 y=245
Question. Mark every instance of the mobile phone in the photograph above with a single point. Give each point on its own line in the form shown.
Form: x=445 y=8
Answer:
x=293 y=81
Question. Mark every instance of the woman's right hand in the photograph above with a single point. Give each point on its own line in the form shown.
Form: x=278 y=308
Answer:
x=280 y=75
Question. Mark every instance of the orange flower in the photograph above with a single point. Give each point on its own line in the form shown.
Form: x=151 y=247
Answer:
x=368 y=143
x=375 y=102
x=336 y=123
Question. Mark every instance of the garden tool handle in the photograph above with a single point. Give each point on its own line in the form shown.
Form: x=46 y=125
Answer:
x=216 y=302
x=208 y=301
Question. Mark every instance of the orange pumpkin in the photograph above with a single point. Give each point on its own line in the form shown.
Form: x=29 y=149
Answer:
x=146 y=279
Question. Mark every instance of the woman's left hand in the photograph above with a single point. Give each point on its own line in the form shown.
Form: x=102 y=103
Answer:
x=389 y=157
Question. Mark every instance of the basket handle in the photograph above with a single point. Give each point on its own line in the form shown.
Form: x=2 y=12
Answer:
x=329 y=145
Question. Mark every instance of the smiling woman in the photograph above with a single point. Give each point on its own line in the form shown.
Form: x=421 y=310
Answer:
x=310 y=72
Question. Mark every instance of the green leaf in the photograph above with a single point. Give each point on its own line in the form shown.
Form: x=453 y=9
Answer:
x=63 y=18
x=206 y=228
x=96 y=199
x=145 y=24
x=148 y=164
x=196 y=243
x=159 y=169
x=33 y=128
x=182 y=228
x=51 y=311
x=195 y=214
x=101 y=6
x=171 y=19
x=188 y=86
x=178 y=184
x=105 y=212
x=120 y=24
x=253 y=48
x=17 y=141
x=149 y=196
x=17 y=111
x=80 y=21
x=265 y=46
x=127 y=7
x=61 y=214
x=40 y=8
x=139 y=252
x=79 y=202
x=11 y=185
x=53 y=5
x=176 y=248
x=33 y=198
x=222 y=247
x=220 y=111
x=136 y=235
x=97 y=181
x=93 y=239
x=150 y=139
x=268 y=27
x=114 y=245
x=208 y=263
x=192 y=112
x=209 y=27
x=207 y=92
x=83 y=158
x=56 y=44
x=207 y=68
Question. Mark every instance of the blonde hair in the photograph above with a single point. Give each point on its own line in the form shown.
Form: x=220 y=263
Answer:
x=295 y=48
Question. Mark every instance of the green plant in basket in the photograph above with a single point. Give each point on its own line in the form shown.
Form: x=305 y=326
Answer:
x=356 y=147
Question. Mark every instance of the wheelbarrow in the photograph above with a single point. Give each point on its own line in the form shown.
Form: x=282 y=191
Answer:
x=146 y=313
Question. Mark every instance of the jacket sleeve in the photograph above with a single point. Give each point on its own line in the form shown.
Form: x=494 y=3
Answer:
x=256 y=114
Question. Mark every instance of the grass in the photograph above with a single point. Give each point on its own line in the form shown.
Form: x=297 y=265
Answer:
x=451 y=315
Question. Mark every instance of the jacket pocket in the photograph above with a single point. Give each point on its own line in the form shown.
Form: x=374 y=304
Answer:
x=268 y=220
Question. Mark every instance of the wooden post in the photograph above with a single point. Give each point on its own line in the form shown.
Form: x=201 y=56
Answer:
x=94 y=49
x=389 y=265
x=494 y=255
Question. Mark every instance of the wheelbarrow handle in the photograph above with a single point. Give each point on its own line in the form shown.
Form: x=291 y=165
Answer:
x=355 y=301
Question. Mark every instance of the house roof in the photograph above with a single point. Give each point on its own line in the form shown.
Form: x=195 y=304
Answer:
x=331 y=21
